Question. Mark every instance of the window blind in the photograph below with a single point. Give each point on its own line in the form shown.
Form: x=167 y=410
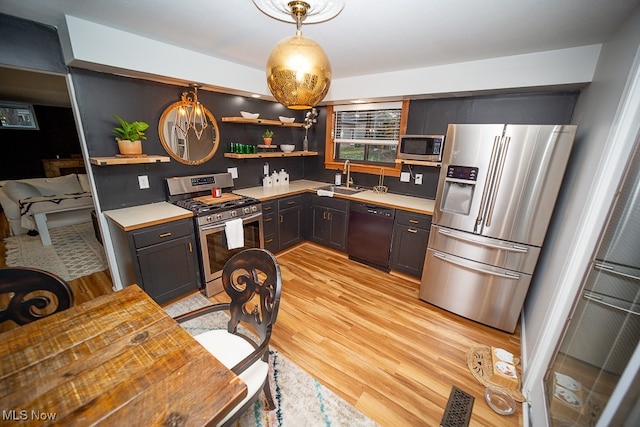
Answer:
x=367 y=132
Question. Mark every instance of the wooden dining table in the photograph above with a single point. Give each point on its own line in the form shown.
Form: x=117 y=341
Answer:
x=118 y=360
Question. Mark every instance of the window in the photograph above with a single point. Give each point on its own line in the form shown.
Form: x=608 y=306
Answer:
x=367 y=133
x=369 y=149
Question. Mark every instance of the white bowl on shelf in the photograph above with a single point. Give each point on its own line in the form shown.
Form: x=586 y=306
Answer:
x=249 y=115
x=287 y=148
x=284 y=119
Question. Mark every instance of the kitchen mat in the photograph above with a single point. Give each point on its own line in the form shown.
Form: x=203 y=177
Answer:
x=458 y=410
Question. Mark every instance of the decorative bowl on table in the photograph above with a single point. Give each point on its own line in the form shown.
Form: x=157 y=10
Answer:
x=287 y=148
x=284 y=119
x=249 y=115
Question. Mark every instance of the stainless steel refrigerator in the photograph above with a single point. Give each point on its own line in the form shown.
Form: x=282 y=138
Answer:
x=496 y=192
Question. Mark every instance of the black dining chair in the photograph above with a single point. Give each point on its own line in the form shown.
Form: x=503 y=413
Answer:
x=32 y=294
x=253 y=281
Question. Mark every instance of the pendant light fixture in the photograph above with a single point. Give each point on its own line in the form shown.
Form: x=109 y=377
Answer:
x=191 y=113
x=298 y=70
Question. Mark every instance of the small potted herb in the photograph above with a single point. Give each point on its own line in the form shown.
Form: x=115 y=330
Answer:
x=267 y=137
x=130 y=136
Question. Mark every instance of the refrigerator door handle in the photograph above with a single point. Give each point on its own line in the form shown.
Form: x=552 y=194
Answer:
x=598 y=299
x=612 y=270
x=496 y=187
x=488 y=185
x=505 y=275
x=503 y=247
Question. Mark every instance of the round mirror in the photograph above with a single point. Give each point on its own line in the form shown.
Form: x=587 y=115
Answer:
x=188 y=131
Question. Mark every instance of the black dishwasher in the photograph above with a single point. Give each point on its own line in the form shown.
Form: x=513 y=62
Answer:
x=370 y=233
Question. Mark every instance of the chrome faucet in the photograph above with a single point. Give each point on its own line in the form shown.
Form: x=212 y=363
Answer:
x=347 y=169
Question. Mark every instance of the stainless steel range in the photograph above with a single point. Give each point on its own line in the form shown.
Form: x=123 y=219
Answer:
x=225 y=225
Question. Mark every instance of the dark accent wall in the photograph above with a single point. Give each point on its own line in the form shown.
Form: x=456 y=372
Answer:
x=23 y=150
x=100 y=95
x=433 y=116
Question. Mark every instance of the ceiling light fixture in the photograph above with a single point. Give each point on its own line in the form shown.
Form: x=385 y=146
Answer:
x=191 y=113
x=298 y=69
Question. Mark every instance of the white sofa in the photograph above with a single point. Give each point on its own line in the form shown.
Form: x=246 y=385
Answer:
x=44 y=203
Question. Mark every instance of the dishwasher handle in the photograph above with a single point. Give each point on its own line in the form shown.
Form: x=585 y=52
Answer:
x=370 y=209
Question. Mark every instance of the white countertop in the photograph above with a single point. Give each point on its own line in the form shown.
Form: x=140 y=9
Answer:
x=408 y=203
x=136 y=217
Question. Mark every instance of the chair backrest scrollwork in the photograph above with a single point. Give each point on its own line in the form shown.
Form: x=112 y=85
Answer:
x=253 y=281
x=33 y=294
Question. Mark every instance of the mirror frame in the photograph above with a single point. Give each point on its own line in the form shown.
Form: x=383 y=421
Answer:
x=165 y=144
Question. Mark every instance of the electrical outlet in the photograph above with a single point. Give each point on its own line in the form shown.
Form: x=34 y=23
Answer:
x=405 y=177
x=265 y=169
x=233 y=172
x=419 y=178
x=143 y=181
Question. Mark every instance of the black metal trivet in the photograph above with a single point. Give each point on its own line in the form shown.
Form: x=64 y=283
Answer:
x=458 y=411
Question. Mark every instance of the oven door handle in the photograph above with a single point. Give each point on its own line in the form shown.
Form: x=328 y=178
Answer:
x=221 y=225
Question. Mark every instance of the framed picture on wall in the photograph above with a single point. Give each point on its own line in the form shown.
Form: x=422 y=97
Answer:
x=17 y=116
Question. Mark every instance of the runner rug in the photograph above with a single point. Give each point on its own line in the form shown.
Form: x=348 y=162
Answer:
x=300 y=399
x=75 y=252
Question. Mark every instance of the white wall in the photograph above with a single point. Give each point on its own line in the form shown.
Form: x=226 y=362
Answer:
x=608 y=119
x=94 y=46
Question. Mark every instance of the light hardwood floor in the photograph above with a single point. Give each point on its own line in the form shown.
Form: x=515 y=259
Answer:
x=365 y=335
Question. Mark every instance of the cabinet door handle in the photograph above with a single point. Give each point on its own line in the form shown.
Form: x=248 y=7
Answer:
x=281 y=219
x=165 y=234
x=268 y=220
x=267 y=208
x=329 y=216
x=414 y=221
x=412 y=230
x=269 y=241
x=324 y=215
x=190 y=247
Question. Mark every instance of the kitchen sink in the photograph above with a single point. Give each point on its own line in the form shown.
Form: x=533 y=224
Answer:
x=341 y=190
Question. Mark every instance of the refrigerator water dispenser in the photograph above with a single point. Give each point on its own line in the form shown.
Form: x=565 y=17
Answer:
x=458 y=189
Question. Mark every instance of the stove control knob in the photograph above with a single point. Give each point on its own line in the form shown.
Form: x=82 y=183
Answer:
x=208 y=218
x=246 y=210
x=218 y=217
x=234 y=214
x=254 y=208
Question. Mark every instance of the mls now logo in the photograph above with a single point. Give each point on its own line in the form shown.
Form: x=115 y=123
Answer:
x=24 y=415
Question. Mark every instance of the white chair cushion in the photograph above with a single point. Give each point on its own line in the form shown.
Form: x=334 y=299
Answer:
x=230 y=349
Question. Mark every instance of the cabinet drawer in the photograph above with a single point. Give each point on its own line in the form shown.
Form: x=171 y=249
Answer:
x=270 y=223
x=161 y=233
x=413 y=219
x=330 y=202
x=290 y=202
x=268 y=207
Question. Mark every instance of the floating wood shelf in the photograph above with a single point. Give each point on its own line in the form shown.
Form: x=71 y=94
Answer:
x=271 y=154
x=109 y=161
x=263 y=122
x=419 y=162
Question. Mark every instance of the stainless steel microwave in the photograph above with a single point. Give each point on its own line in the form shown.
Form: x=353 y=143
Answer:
x=421 y=147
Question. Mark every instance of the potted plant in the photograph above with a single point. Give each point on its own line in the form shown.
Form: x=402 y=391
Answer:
x=130 y=136
x=267 y=136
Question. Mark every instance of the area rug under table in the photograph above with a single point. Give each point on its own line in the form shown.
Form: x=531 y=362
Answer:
x=75 y=252
x=300 y=399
